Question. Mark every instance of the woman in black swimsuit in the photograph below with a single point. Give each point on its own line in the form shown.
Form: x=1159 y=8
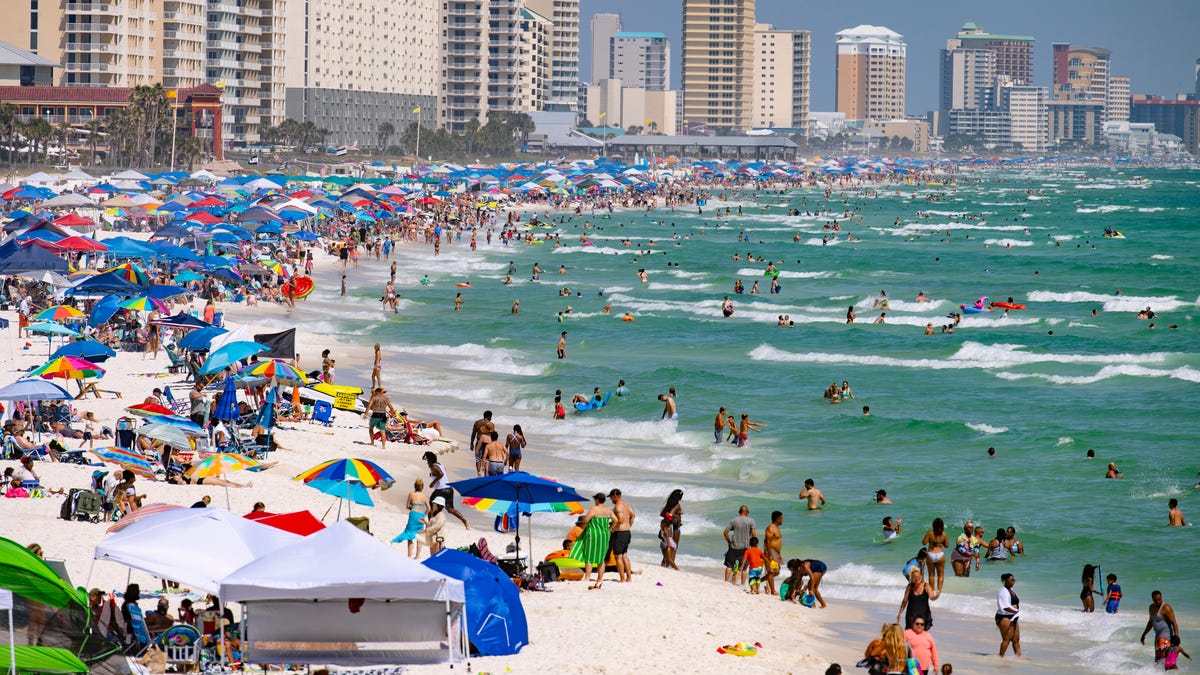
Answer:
x=673 y=512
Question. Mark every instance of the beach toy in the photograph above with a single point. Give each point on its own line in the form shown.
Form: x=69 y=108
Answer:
x=1008 y=305
x=740 y=649
x=463 y=284
x=299 y=288
x=593 y=404
x=808 y=599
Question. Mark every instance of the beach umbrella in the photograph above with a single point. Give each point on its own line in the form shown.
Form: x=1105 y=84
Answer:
x=93 y=351
x=520 y=492
x=68 y=368
x=149 y=410
x=59 y=313
x=188 y=276
x=276 y=369
x=227 y=405
x=218 y=465
x=50 y=328
x=200 y=338
x=131 y=272
x=34 y=390
x=364 y=471
x=126 y=459
x=146 y=510
x=229 y=354
x=103 y=310
x=350 y=491
x=143 y=303
x=174 y=435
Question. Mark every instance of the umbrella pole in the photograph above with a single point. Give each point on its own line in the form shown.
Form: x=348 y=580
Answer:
x=227 y=507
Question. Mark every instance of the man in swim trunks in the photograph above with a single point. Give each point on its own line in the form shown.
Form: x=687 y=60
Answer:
x=668 y=407
x=719 y=425
x=1174 y=515
x=562 y=345
x=619 y=541
x=495 y=455
x=1162 y=620
x=744 y=429
x=377 y=411
x=773 y=548
x=816 y=499
x=742 y=529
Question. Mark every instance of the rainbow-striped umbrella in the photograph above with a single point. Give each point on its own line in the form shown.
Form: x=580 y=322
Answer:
x=364 y=471
x=68 y=368
x=529 y=493
x=131 y=272
x=280 y=371
x=147 y=510
x=59 y=313
x=143 y=303
x=126 y=459
x=219 y=464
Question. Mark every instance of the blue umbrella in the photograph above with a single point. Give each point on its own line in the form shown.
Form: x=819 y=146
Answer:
x=227 y=405
x=527 y=492
x=229 y=354
x=34 y=390
x=164 y=291
x=346 y=490
x=104 y=310
x=50 y=328
x=200 y=338
x=266 y=416
x=96 y=352
x=304 y=235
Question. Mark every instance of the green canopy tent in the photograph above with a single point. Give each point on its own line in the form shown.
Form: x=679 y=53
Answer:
x=53 y=615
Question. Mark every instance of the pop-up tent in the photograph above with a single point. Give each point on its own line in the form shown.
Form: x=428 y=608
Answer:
x=196 y=547
x=342 y=597
x=494 y=610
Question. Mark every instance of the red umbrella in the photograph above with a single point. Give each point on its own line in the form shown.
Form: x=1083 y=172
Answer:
x=80 y=243
x=207 y=201
x=203 y=217
x=149 y=410
x=302 y=523
x=75 y=220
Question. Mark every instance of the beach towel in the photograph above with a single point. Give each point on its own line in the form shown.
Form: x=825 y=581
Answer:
x=413 y=528
x=592 y=545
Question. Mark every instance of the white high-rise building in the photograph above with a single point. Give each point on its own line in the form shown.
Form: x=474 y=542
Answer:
x=968 y=78
x=604 y=27
x=536 y=34
x=641 y=60
x=564 y=48
x=1029 y=121
x=781 y=78
x=1117 y=104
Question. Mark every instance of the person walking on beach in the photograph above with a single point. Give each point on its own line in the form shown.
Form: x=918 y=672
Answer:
x=377 y=368
x=440 y=487
x=516 y=446
x=917 y=596
x=672 y=515
x=619 y=543
x=924 y=649
x=591 y=548
x=773 y=549
x=1162 y=621
x=376 y=413
x=1008 y=611
x=737 y=539
x=495 y=455
x=562 y=345
x=816 y=498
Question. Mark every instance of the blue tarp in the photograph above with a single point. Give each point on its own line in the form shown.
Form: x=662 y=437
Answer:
x=495 y=616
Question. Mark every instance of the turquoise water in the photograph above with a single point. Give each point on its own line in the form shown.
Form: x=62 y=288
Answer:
x=1041 y=386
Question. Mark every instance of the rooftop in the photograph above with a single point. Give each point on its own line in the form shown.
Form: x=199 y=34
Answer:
x=15 y=56
x=707 y=141
x=641 y=36
x=87 y=94
x=867 y=31
x=972 y=30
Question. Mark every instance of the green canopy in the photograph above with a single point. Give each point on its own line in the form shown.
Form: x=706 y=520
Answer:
x=27 y=575
x=31 y=659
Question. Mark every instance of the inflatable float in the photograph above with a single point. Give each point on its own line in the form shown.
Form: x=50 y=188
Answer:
x=299 y=288
x=740 y=649
x=1009 y=305
x=593 y=404
x=344 y=397
x=973 y=310
x=463 y=284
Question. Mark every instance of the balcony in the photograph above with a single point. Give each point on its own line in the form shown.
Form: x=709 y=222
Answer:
x=90 y=8
x=89 y=67
x=224 y=25
x=89 y=27
x=88 y=47
x=181 y=17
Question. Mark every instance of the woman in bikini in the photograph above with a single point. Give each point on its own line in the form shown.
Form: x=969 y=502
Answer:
x=936 y=542
x=516 y=444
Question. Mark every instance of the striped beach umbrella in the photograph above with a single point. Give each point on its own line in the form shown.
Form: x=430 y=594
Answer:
x=146 y=510
x=276 y=369
x=364 y=471
x=131 y=272
x=149 y=410
x=220 y=464
x=143 y=303
x=68 y=368
x=174 y=435
x=126 y=459
x=60 y=313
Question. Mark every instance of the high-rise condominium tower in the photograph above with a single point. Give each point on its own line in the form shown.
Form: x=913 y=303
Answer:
x=718 y=63
x=870 y=73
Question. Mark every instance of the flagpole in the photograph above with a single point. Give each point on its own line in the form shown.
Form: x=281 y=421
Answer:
x=418 y=135
x=174 y=128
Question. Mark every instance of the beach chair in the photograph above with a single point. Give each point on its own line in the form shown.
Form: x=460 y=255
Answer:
x=180 y=407
x=181 y=643
x=178 y=365
x=323 y=413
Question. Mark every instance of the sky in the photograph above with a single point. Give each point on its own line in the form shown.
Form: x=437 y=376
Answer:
x=1155 y=42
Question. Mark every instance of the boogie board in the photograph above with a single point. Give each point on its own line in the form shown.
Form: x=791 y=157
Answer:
x=300 y=287
x=974 y=310
x=593 y=404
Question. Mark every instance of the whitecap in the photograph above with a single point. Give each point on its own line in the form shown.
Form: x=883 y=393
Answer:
x=986 y=428
x=1008 y=242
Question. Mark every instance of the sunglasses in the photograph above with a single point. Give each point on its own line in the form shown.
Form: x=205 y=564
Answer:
x=919 y=623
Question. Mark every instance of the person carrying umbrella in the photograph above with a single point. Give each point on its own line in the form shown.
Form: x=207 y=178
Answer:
x=378 y=409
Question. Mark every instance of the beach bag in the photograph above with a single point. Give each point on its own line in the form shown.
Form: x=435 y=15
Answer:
x=548 y=571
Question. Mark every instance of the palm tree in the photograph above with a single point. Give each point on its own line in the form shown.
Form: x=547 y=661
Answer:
x=94 y=126
x=38 y=133
x=386 y=131
x=8 y=128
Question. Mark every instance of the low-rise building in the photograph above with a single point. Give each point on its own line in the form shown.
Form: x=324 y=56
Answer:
x=21 y=68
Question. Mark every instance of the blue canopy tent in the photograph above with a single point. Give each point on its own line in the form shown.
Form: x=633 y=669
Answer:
x=495 y=616
x=30 y=259
x=124 y=247
x=109 y=282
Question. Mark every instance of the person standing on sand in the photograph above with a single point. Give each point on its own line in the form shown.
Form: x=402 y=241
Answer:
x=672 y=513
x=562 y=345
x=477 y=428
x=619 y=542
x=816 y=498
x=1162 y=621
x=742 y=529
x=377 y=416
x=1174 y=515
x=936 y=542
x=377 y=368
x=439 y=487
x=591 y=548
x=773 y=548
x=1008 y=611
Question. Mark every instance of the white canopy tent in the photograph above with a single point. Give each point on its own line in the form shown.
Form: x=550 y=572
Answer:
x=196 y=547
x=341 y=597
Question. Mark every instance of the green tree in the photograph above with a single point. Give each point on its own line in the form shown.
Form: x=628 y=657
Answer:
x=386 y=131
x=38 y=133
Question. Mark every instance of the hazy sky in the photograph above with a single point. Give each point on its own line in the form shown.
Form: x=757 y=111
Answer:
x=1155 y=42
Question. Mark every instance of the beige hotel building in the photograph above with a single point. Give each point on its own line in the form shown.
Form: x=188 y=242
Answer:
x=718 y=63
x=870 y=73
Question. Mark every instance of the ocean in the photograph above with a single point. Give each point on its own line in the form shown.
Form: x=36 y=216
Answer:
x=1041 y=385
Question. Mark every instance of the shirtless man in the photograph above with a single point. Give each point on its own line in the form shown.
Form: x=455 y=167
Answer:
x=1174 y=515
x=495 y=455
x=816 y=499
x=719 y=425
x=773 y=547
x=473 y=441
x=562 y=345
x=745 y=426
x=619 y=543
x=1162 y=621
x=668 y=407
x=377 y=368
x=377 y=415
